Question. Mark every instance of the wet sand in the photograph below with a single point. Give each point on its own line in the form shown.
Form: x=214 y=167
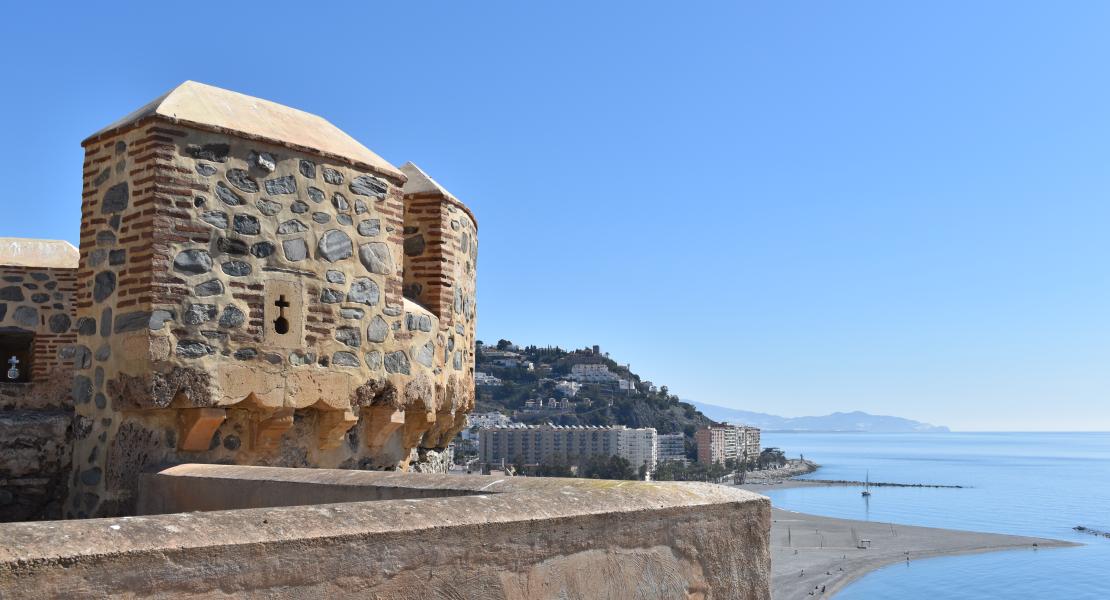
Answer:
x=809 y=551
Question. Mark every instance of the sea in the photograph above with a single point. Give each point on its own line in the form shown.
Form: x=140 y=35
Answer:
x=1035 y=484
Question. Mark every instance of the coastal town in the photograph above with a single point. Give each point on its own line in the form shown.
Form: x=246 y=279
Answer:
x=596 y=420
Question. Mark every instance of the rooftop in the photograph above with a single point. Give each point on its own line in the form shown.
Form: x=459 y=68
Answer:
x=212 y=108
x=24 y=252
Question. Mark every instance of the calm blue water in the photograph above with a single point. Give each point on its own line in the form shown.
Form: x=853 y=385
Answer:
x=1038 y=484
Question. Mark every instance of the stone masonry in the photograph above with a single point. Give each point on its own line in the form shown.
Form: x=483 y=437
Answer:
x=37 y=329
x=240 y=298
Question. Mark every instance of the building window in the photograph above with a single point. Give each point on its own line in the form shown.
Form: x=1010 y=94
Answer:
x=15 y=355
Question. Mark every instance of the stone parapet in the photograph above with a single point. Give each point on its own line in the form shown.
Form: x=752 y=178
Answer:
x=400 y=535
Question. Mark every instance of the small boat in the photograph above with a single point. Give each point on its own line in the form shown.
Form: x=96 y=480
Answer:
x=866 y=493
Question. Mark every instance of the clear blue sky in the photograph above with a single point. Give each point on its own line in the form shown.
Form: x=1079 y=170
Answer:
x=788 y=207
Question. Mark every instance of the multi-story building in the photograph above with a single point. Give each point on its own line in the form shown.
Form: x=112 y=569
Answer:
x=672 y=447
x=639 y=447
x=545 y=444
x=485 y=421
x=568 y=388
x=485 y=379
x=592 y=373
x=719 y=443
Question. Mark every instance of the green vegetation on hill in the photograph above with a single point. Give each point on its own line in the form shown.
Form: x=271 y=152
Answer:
x=606 y=405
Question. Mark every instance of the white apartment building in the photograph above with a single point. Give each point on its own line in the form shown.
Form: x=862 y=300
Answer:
x=592 y=373
x=485 y=421
x=485 y=379
x=672 y=447
x=544 y=444
x=568 y=388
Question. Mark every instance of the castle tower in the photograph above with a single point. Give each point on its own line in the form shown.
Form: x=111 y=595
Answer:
x=440 y=260
x=240 y=293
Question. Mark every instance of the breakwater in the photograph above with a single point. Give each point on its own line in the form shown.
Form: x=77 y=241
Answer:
x=883 y=484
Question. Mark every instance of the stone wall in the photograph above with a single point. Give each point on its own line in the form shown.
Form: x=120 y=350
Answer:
x=35 y=415
x=38 y=301
x=242 y=301
x=402 y=535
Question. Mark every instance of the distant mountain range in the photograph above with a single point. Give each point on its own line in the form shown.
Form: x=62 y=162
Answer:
x=837 y=421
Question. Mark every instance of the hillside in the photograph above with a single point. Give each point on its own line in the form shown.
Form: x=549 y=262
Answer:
x=837 y=421
x=640 y=404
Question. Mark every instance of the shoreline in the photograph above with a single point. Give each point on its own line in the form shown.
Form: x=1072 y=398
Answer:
x=809 y=551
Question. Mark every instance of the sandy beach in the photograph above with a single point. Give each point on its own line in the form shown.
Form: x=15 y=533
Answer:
x=810 y=551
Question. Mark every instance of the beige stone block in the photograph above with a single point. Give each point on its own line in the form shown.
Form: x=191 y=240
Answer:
x=283 y=310
x=329 y=389
x=332 y=426
x=196 y=426
x=381 y=423
x=267 y=428
x=417 y=422
x=238 y=383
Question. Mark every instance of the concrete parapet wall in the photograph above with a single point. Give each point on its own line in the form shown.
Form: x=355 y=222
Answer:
x=413 y=536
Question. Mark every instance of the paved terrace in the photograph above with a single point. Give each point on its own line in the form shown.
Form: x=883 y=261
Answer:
x=400 y=535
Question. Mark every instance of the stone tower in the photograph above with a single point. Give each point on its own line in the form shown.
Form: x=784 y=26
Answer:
x=240 y=294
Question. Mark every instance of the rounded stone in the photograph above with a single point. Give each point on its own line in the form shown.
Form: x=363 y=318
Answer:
x=291 y=226
x=414 y=245
x=86 y=326
x=364 y=291
x=262 y=249
x=227 y=196
x=104 y=284
x=192 y=262
x=375 y=256
x=308 y=169
x=12 y=292
x=236 y=268
x=339 y=201
x=231 y=246
x=295 y=249
x=396 y=362
x=193 y=349
x=368 y=185
x=349 y=336
x=60 y=323
x=198 y=314
x=240 y=179
x=232 y=316
x=27 y=316
x=116 y=199
x=246 y=225
x=268 y=207
x=211 y=287
x=316 y=194
x=332 y=176
x=377 y=330
x=214 y=218
x=374 y=360
x=281 y=185
x=345 y=359
x=334 y=245
x=335 y=277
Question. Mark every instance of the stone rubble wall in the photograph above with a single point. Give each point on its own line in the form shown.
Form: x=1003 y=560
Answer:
x=190 y=240
x=39 y=301
x=35 y=417
x=440 y=262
